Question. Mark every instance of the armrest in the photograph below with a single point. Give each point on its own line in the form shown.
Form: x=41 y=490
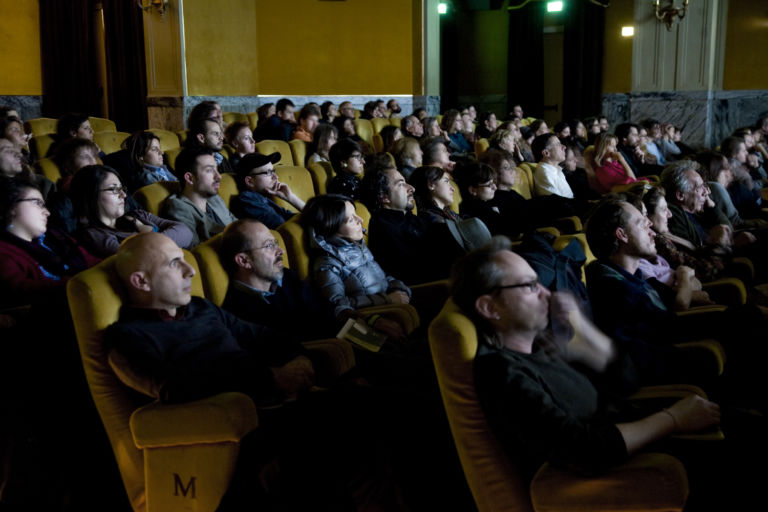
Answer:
x=216 y=419
x=405 y=314
x=549 y=230
x=746 y=264
x=712 y=346
x=728 y=290
x=569 y=225
x=702 y=310
x=621 y=488
x=332 y=358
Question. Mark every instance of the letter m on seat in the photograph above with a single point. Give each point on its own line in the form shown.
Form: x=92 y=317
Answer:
x=178 y=485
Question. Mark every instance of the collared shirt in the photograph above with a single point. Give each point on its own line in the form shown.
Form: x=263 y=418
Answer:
x=263 y=295
x=550 y=180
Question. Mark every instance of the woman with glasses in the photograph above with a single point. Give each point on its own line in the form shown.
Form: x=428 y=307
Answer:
x=33 y=258
x=99 y=198
x=348 y=163
x=478 y=186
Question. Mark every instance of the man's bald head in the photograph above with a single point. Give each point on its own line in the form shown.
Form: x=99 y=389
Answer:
x=153 y=269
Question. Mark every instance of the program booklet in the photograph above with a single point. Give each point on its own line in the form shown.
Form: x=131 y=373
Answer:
x=362 y=335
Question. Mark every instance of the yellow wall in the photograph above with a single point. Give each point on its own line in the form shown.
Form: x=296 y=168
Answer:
x=617 y=51
x=20 y=57
x=249 y=47
x=746 y=39
x=220 y=41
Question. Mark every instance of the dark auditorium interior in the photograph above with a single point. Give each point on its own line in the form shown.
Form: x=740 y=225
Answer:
x=79 y=431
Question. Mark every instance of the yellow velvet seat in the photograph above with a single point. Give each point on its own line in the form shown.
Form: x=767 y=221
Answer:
x=168 y=139
x=267 y=147
x=100 y=124
x=322 y=173
x=378 y=124
x=234 y=117
x=48 y=168
x=151 y=197
x=495 y=482
x=170 y=457
x=228 y=188
x=253 y=119
x=40 y=126
x=109 y=141
x=298 y=152
x=364 y=129
x=300 y=181
x=481 y=146
x=171 y=155
x=40 y=144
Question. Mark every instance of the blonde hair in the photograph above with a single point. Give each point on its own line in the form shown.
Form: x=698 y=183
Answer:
x=601 y=146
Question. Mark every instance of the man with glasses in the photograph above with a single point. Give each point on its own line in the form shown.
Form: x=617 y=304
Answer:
x=258 y=185
x=263 y=291
x=199 y=205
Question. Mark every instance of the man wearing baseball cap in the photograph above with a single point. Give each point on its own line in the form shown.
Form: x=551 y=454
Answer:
x=258 y=185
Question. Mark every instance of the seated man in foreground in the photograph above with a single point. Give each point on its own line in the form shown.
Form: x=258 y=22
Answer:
x=540 y=407
x=188 y=345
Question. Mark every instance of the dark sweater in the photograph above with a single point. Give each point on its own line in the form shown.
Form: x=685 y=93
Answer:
x=542 y=410
x=202 y=352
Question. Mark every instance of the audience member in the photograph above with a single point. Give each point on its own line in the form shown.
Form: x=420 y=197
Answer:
x=281 y=125
x=452 y=126
x=389 y=135
x=206 y=110
x=208 y=134
x=347 y=160
x=99 y=200
x=259 y=185
x=629 y=147
x=408 y=155
x=198 y=205
x=548 y=178
x=146 y=158
x=328 y=112
x=240 y=138
x=412 y=127
x=326 y=135
x=435 y=154
x=309 y=116
x=610 y=167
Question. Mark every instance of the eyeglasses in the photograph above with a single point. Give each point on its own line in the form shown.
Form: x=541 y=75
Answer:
x=270 y=246
x=533 y=286
x=34 y=200
x=115 y=190
x=489 y=184
x=270 y=172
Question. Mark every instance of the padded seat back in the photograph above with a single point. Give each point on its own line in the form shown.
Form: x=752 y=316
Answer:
x=95 y=297
x=171 y=155
x=228 y=187
x=168 y=139
x=296 y=248
x=40 y=144
x=481 y=145
x=322 y=173
x=182 y=135
x=40 y=126
x=253 y=119
x=48 y=168
x=378 y=143
x=234 y=117
x=525 y=180
x=298 y=152
x=495 y=484
x=395 y=121
x=151 y=197
x=379 y=123
x=364 y=130
x=109 y=141
x=300 y=181
x=267 y=147
x=99 y=124
x=212 y=274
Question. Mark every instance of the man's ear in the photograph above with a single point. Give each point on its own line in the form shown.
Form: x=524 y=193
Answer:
x=200 y=138
x=486 y=307
x=472 y=191
x=189 y=178
x=242 y=260
x=679 y=196
x=385 y=200
x=139 y=281
x=621 y=235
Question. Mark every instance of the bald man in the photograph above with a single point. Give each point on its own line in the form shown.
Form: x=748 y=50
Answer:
x=189 y=346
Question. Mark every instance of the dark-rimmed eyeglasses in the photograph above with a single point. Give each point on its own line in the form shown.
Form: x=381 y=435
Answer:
x=532 y=286
x=34 y=200
x=115 y=190
x=270 y=172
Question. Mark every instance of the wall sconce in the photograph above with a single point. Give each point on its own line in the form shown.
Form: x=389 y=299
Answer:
x=159 y=6
x=668 y=13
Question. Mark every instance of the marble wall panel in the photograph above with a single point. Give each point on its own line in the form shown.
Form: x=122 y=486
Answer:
x=616 y=108
x=687 y=109
x=28 y=107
